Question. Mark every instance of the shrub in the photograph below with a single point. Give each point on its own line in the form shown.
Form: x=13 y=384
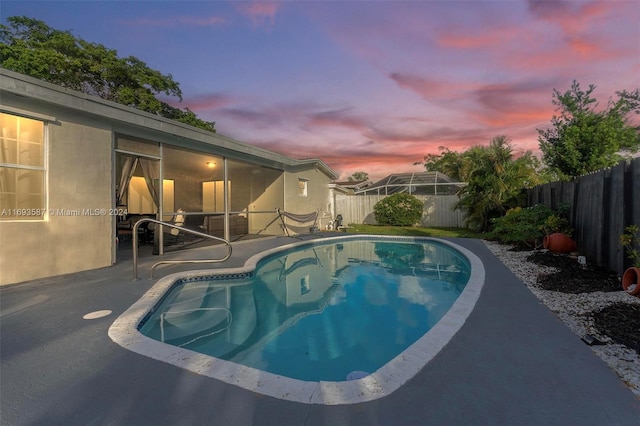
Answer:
x=557 y=223
x=630 y=239
x=526 y=227
x=398 y=210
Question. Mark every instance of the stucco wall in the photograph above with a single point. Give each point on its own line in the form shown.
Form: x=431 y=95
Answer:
x=317 y=194
x=80 y=177
x=70 y=239
x=268 y=196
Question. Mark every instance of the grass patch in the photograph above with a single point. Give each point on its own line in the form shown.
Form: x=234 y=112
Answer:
x=414 y=231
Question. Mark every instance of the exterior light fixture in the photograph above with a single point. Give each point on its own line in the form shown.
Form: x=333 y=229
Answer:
x=211 y=164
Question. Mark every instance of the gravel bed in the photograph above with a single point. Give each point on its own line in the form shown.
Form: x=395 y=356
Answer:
x=575 y=310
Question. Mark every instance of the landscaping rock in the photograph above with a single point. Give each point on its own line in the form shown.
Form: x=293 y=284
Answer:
x=580 y=300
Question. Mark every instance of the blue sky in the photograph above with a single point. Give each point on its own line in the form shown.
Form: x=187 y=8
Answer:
x=367 y=86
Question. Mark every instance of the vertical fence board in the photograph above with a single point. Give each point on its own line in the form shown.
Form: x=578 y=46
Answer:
x=613 y=223
x=589 y=215
x=438 y=210
x=601 y=205
x=633 y=195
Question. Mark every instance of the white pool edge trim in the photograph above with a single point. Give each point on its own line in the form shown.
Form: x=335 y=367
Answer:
x=383 y=382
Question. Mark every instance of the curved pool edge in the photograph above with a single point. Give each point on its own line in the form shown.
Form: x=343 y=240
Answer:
x=381 y=383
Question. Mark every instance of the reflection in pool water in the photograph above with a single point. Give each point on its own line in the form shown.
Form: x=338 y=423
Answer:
x=320 y=312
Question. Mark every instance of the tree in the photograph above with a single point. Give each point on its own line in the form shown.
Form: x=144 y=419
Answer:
x=358 y=176
x=30 y=47
x=495 y=178
x=582 y=139
x=451 y=163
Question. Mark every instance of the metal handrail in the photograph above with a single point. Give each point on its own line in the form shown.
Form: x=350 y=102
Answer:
x=171 y=225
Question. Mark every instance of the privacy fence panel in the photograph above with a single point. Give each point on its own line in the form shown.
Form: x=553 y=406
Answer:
x=588 y=215
x=613 y=216
x=438 y=210
x=601 y=205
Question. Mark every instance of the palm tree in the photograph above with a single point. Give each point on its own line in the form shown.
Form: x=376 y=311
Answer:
x=495 y=181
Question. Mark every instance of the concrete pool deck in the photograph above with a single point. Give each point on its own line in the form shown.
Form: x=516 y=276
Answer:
x=512 y=362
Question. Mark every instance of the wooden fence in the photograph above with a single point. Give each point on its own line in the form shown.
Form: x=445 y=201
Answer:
x=438 y=210
x=601 y=205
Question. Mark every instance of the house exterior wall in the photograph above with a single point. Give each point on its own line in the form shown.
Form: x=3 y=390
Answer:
x=270 y=195
x=318 y=194
x=78 y=231
x=75 y=234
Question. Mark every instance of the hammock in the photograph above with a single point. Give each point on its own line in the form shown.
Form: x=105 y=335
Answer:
x=299 y=218
x=308 y=261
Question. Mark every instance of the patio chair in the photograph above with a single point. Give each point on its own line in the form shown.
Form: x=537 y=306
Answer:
x=178 y=220
x=173 y=234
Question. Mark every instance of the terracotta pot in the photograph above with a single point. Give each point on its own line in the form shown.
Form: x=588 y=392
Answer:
x=559 y=243
x=631 y=276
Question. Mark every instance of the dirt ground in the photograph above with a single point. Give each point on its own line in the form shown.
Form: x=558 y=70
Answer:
x=620 y=321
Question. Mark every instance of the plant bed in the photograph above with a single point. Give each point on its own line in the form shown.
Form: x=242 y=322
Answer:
x=519 y=247
x=621 y=322
x=571 y=277
x=577 y=310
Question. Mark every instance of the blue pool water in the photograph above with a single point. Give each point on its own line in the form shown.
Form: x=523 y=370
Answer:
x=321 y=312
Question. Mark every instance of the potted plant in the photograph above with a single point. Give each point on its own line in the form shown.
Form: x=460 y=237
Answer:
x=631 y=278
x=558 y=235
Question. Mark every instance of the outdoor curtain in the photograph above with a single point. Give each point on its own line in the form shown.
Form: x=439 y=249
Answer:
x=151 y=174
x=149 y=171
x=128 y=168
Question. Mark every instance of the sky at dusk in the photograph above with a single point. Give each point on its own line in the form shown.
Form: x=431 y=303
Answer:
x=367 y=86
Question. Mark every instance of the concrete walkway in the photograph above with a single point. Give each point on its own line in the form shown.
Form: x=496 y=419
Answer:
x=512 y=363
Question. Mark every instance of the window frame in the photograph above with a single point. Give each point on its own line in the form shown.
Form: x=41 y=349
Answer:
x=32 y=214
x=303 y=191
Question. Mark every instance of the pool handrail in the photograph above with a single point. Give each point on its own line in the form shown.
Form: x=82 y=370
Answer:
x=171 y=225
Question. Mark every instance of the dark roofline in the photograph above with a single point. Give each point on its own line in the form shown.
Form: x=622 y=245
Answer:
x=60 y=97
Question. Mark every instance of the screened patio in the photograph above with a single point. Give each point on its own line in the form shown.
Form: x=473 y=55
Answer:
x=423 y=183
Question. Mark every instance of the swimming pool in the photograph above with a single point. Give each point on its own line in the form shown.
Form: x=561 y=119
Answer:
x=309 y=321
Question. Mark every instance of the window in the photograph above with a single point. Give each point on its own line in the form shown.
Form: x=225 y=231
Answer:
x=213 y=196
x=305 y=285
x=302 y=187
x=22 y=168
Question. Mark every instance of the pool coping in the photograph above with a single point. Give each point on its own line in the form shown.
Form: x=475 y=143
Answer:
x=384 y=381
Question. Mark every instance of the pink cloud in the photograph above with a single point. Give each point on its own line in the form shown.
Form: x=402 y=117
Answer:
x=576 y=51
x=409 y=136
x=494 y=105
x=457 y=38
x=296 y=130
x=376 y=165
x=511 y=105
x=508 y=118
x=430 y=136
x=563 y=33
x=585 y=48
x=337 y=118
x=386 y=148
x=427 y=88
x=578 y=22
x=572 y=17
x=297 y=116
x=261 y=14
